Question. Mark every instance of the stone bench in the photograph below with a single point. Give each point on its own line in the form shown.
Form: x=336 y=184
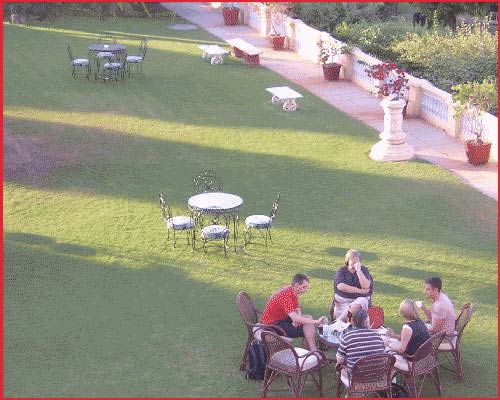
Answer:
x=245 y=50
x=214 y=52
x=285 y=95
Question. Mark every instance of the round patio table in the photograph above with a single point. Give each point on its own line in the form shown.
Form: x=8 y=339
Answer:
x=217 y=204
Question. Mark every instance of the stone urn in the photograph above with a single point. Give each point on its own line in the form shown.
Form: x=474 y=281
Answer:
x=393 y=146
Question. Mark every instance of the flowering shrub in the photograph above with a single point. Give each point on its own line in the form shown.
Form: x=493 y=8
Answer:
x=328 y=52
x=394 y=82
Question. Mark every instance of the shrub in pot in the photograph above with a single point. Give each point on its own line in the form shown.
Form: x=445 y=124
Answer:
x=278 y=14
x=331 y=69
x=474 y=99
x=230 y=14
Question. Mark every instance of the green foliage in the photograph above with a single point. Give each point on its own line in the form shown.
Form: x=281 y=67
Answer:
x=447 y=58
x=475 y=98
x=446 y=12
x=375 y=38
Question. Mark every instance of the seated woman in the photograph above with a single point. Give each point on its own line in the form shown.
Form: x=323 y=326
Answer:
x=351 y=281
x=413 y=333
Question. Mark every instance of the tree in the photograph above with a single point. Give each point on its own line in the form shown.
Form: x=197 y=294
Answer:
x=446 y=13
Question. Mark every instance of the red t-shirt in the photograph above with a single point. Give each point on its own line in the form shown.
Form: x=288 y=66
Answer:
x=282 y=302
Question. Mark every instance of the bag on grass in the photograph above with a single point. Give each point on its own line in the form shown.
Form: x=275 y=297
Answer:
x=256 y=360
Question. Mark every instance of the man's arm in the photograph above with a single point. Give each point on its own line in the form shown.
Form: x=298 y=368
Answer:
x=302 y=319
x=340 y=359
x=344 y=287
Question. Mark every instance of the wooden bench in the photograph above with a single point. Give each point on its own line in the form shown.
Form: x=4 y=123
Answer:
x=214 y=52
x=242 y=49
x=285 y=95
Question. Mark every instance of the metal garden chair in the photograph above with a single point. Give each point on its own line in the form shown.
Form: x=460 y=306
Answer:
x=138 y=59
x=177 y=223
x=262 y=223
x=207 y=181
x=115 y=68
x=79 y=63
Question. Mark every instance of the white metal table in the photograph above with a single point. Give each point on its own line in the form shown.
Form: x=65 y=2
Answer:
x=217 y=204
x=285 y=95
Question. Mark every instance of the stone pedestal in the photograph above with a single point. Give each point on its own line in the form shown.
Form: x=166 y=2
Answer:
x=393 y=146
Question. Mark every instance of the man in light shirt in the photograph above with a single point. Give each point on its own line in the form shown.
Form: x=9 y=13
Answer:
x=442 y=313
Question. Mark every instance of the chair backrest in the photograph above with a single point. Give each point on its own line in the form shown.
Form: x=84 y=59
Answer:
x=424 y=359
x=376 y=315
x=274 y=343
x=71 y=58
x=106 y=39
x=274 y=208
x=164 y=207
x=462 y=320
x=143 y=47
x=248 y=312
x=207 y=181
x=372 y=373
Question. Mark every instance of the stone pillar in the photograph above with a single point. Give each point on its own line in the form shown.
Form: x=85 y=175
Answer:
x=393 y=146
x=290 y=33
x=414 y=97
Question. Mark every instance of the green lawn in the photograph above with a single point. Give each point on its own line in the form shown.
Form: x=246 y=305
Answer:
x=98 y=304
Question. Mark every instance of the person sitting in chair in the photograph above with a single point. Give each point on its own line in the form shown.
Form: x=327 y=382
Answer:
x=442 y=313
x=283 y=309
x=351 y=281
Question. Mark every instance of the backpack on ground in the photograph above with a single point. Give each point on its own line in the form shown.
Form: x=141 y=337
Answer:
x=256 y=360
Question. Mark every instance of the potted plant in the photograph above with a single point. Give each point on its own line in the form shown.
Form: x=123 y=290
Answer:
x=474 y=99
x=331 y=69
x=231 y=14
x=278 y=14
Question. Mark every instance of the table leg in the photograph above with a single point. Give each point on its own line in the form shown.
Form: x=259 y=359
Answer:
x=275 y=99
x=236 y=219
x=204 y=55
x=290 y=105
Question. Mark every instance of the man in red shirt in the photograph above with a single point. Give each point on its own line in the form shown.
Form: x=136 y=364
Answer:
x=283 y=309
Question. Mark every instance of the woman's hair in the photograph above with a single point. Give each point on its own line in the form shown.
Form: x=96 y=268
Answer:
x=408 y=309
x=349 y=254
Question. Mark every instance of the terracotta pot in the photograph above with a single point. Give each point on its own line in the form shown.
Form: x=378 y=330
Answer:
x=331 y=72
x=230 y=15
x=278 y=42
x=477 y=153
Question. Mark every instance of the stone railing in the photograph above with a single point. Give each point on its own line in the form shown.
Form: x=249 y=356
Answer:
x=425 y=100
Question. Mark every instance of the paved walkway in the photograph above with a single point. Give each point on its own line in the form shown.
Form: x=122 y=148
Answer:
x=430 y=143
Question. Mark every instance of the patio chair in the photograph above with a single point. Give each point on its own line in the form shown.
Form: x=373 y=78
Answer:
x=450 y=347
x=376 y=315
x=138 y=59
x=215 y=232
x=178 y=223
x=295 y=364
x=115 y=68
x=105 y=56
x=262 y=223
x=79 y=64
x=369 y=375
x=207 y=181
x=250 y=316
x=422 y=364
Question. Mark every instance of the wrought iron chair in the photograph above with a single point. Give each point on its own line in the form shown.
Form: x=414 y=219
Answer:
x=177 y=223
x=261 y=223
x=250 y=316
x=294 y=363
x=370 y=374
x=104 y=55
x=79 y=63
x=138 y=59
x=376 y=315
x=207 y=181
x=115 y=67
x=450 y=347
x=215 y=232
x=422 y=364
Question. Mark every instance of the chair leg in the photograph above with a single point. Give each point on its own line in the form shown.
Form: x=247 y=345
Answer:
x=175 y=239
x=436 y=380
x=298 y=386
x=269 y=376
x=458 y=364
x=243 y=363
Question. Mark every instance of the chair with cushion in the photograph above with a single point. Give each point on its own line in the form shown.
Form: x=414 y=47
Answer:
x=262 y=223
x=295 y=364
x=250 y=316
x=79 y=63
x=376 y=315
x=369 y=375
x=104 y=56
x=207 y=181
x=215 y=232
x=115 y=67
x=450 y=347
x=422 y=364
x=177 y=223
x=138 y=59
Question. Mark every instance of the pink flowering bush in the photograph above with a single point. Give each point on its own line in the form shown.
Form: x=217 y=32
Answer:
x=395 y=84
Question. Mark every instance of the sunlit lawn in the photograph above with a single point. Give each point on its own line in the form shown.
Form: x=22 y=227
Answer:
x=98 y=304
